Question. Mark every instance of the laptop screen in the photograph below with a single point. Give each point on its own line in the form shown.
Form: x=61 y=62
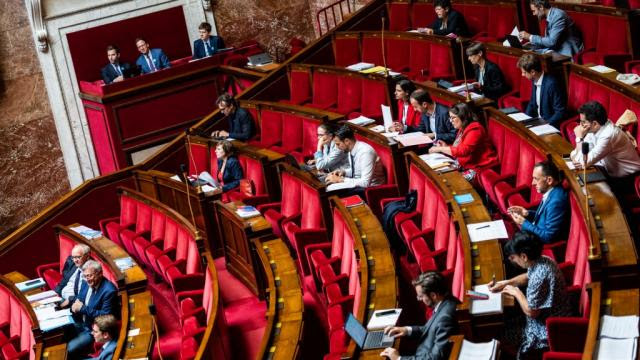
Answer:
x=357 y=332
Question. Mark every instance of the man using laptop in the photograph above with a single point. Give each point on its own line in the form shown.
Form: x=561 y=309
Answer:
x=433 y=291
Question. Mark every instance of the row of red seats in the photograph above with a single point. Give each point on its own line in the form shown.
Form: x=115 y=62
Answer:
x=16 y=335
x=419 y=57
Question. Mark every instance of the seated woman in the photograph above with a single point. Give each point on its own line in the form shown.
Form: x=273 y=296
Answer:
x=327 y=156
x=472 y=149
x=448 y=22
x=229 y=169
x=545 y=295
x=490 y=81
x=407 y=116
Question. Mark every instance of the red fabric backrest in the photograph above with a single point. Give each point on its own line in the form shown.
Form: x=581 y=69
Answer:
x=347 y=258
x=476 y=17
x=207 y=294
x=422 y=14
x=143 y=218
x=182 y=243
x=634 y=4
x=355 y=288
x=310 y=207
x=253 y=171
x=441 y=238
x=510 y=160
x=525 y=165
x=372 y=50
x=197 y=158
x=299 y=85
x=452 y=245
x=291 y=195
x=577 y=231
x=213 y=162
x=325 y=88
x=12 y=311
x=457 y=288
x=502 y=19
x=578 y=90
x=193 y=257
x=608 y=44
x=291 y=130
x=128 y=208
x=65 y=244
x=158 y=220
x=588 y=25
x=399 y=16
x=376 y=94
x=432 y=203
x=106 y=270
x=337 y=239
x=384 y=153
x=309 y=136
x=397 y=53
x=419 y=55
x=618 y=103
x=349 y=92
x=170 y=234
x=441 y=64
x=346 y=51
x=525 y=89
x=271 y=127
x=507 y=64
x=417 y=182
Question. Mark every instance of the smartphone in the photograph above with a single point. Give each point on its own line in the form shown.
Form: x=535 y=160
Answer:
x=477 y=295
x=387 y=312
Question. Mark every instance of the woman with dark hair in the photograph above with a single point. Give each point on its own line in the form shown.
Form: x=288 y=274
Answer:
x=545 y=295
x=490 y=81
x=407 y=116
x=229 y=169
x=448 y=22
x=471 y=148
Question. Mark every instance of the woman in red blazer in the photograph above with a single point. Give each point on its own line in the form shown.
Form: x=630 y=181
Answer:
x=407 y=116
x=472 y=149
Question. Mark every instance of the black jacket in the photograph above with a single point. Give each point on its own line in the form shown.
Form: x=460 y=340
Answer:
x=67 y=271
x=232 y=173
x=493 y=80
x=108 y=73
x=240 y=125
x=455 y=24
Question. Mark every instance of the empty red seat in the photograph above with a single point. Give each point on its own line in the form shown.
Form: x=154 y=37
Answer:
x=346 y=49
x=399 y=19
x=113 y=226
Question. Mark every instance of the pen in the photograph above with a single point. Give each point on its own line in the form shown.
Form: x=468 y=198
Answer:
x=483 y=227
x=493 y=279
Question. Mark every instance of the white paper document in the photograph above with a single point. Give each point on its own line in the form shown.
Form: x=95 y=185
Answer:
x=386 y=116
x=520 y=116
x=514 y=32
x=619 y=327
x=459 y=88
x=493 y=305
x=618 y=349
x=478 y=351
x=360 y=66
x=570 y=164
x=543 y=129
x=383 y=318
x=413 y=138
x=378 y=128
x=362 y=121
x=390 y=134
x=42 y=295
x=487 y=230
x=46 y=325
x=602 y=69
x=437 y=161
x=49 y=312
x=339 y=186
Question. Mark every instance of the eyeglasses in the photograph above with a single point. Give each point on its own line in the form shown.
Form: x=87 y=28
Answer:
x=319 y=135
x=78 y=257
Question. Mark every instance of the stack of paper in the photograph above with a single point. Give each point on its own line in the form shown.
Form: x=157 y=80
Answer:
x=514 y=32
x=543 y=129
x=520 y=116
x=125 y=263
x=246 y=212
x=618 y=337
x=362 y=121
x=413 y=138
x=30 y=284
x=383 y=318
x=459 y=88
x=50 y=312
x=42 y=295
x=493 y=305
x=437 y=161
x=50 y=324
x=87 y=232
x=488 y=230
x=360 y=66
x=472 y=95
x=377 y=128
x=602 y=69
x=475 y=351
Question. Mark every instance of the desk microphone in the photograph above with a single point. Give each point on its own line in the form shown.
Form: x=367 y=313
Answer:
x=464 y=68
x=183 y=170
x=153 y=313
x=585 y=156
x=384 y=57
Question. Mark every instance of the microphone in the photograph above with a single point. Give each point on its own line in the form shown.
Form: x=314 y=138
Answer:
x=384 y=57
x=464 y=68
x=585 y=155
x=153 y=313
x=585 y=152
x=183 y=169
x=192 y=161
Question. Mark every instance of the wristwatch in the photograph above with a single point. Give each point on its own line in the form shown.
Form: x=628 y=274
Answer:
x=579 y=139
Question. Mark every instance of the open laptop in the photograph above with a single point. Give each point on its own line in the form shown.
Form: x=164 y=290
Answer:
x=366 y=339
x=259 y=59
x=514 y=41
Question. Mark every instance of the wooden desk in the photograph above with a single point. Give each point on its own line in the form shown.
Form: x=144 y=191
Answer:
x=56 y=352
x=264 y=68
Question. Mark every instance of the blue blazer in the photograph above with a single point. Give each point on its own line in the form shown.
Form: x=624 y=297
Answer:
x=160 y=60
x=107 y=352
x=444 y=128
x=103 y=301
x=553 y=101
x=561 y=35
x=551 y=218
x=232 y=173
x=109 y=73
x=215 y=44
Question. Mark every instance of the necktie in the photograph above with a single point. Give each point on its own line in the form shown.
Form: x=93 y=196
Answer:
x=117 y=67
x=152 y=66
x=76 y=284
x=206 y=47
x=353 y=168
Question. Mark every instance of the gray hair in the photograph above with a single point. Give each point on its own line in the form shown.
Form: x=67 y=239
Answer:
x=83 y=248
x=92 y=264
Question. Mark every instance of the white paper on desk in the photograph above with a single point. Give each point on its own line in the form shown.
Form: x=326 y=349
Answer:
x=46 y=325
x=618 y=349
x=49 y=312
x=50 y=300
x=602 y=69
x=175 y=177
x=570 y=164
x=380 y=322
x=487 y=230
x=474 y=351
x=493 y=305
x=514 y=32
x=520 y=116
x=378 y=128
x=362 y=121
x=386 y=116
x=472 y=95
x=459 y=88
x=390 y=134
x=414 y=31
x=437 y=160
x=413 y=138
x=360 y=66
x=543 y=129
x=619 y=327
x=134 y=332
x=42 y=295
x=340 y=186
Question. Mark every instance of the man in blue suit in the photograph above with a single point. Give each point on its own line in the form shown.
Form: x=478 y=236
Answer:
x=150 y=60
x=208 y=44
x=114 y=71
x=434 y=120
x=548 y=99
x=561 y=34
x=550 y=221
x=97 y=297
x=105 y=331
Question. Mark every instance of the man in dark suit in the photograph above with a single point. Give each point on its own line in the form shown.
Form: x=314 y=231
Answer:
x=240 y=121
x=435 y=118
x=150 y=60
x=433 y=291
x=114 y=71
x=105 y=331
x=548 y=99
x=72 y=273
x=208 y=44
x=97 y=297
x=550 y=221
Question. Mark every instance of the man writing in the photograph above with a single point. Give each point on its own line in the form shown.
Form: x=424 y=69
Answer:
x=97 y=297
x=114 y=71
x=150 y=60
x=72 y=277
x=434 y=120
x=105 y=332
x=549 y=222
x=432 y=290
x=548 y=100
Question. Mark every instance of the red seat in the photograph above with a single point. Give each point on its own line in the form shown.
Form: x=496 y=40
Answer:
x=372 y=50
x=299 y=86
x=399 y=16
x=112 y=227
x=422 y=14
x=156 y=237
x=349 y=94
x=346 y=50
x=325 y=90
x=600 y=47
x=254 y=172
x=141 y=229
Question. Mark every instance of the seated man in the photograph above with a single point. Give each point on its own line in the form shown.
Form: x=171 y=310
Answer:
x=561 y=34
x=548 y=99
x=114 y=71
x=448 y=22
x=240 y=120
x=364 y=166
x=609 y=148
x=433 y=291
x=150 y=60
x=434 y=120
x=327 y=156
x=208 y=44
x=550 y=221
x=105 y=331
x=72 y=278
x=97 y=297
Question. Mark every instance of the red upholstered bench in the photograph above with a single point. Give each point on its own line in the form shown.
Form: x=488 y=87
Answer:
x=16 y=324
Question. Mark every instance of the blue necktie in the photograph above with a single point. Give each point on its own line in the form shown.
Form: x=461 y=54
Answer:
x=76 y=284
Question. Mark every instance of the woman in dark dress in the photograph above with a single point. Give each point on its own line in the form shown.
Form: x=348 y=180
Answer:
x=448 y=22
x=229 y=170
x=490 y=80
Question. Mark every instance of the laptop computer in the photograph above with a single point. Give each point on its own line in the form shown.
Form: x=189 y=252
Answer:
x=366 y=339
x=514 y=41
x=259 y=59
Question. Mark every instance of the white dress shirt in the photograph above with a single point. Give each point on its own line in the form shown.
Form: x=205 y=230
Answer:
x=538 y=85
x=610 y=148
x=365 y=168
x=67 y=290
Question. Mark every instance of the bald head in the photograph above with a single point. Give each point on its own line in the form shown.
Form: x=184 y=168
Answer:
x=80 y=254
